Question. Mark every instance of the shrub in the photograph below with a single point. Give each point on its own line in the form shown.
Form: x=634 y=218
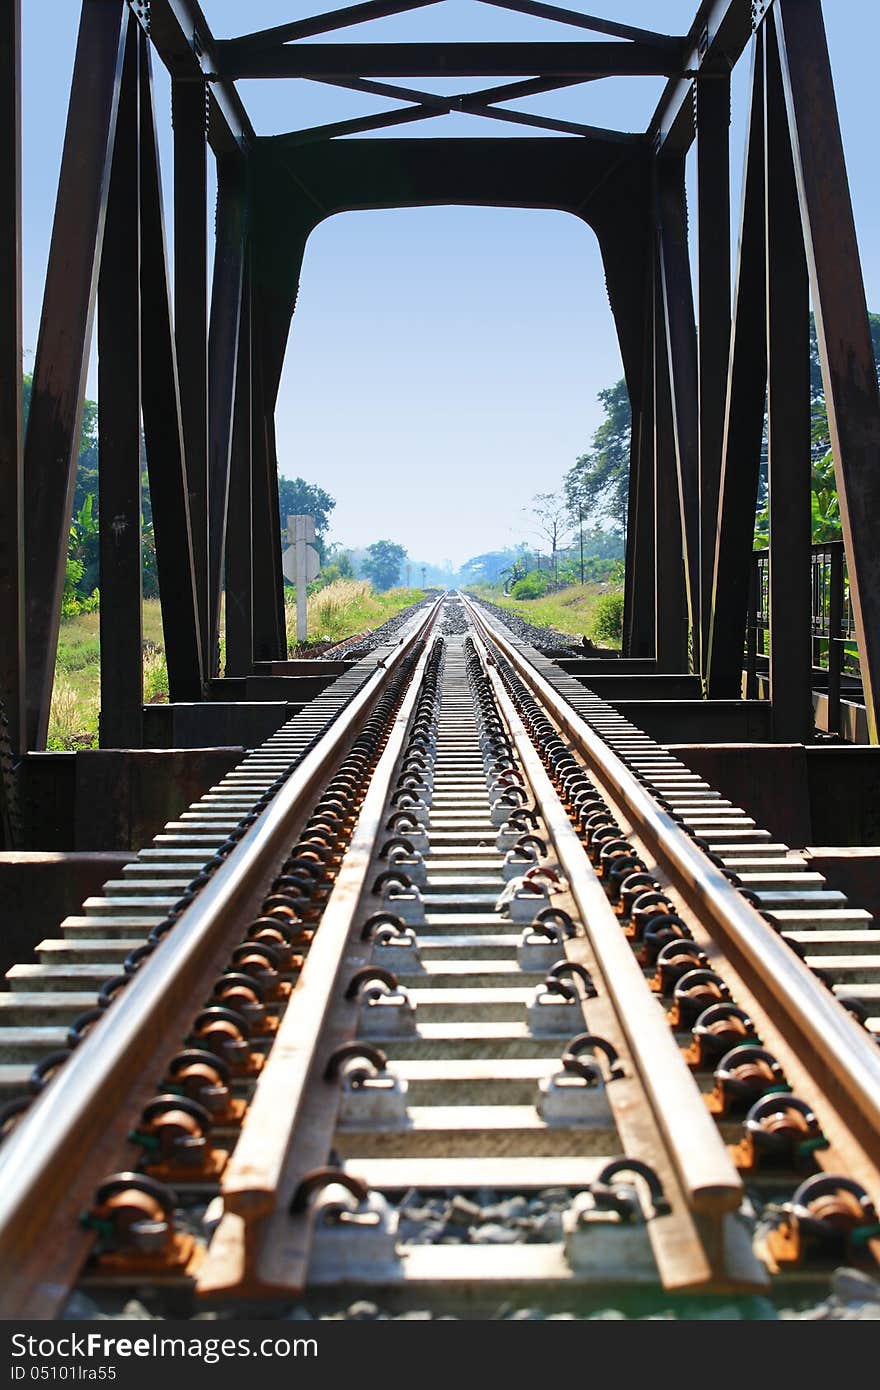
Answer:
x=608 y=618
x=73 y=719
x=532 y=586
x=155 y=675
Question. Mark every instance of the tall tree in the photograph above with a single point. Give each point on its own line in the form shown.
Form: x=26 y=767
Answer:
x=597 y=483
x=383 y=562
x=551 y=515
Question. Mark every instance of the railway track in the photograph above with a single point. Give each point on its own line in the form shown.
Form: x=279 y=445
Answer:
x=458 y=929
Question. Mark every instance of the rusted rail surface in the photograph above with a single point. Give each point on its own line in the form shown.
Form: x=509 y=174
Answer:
x=60 y=1149
x=295 y=1111
x=829 y=1031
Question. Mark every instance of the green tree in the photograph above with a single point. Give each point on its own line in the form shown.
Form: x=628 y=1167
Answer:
x=598 y=482
x=383 y=562
x=296 y=497
x=825 y=505
x=82 y=569
x=337 y=555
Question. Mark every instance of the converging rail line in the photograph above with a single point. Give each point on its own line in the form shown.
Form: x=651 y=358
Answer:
x=458 y=927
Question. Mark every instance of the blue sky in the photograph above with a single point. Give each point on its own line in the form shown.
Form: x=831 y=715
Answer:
x=450 y=354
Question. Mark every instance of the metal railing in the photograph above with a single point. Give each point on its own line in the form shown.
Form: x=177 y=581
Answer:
x=832 y=625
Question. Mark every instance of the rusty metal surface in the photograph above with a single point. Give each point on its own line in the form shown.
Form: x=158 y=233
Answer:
x=262 y=1246
x=11 y=423
x=814 y=1023
x=76 y=1130
x=669 y=1117
x=52 y=441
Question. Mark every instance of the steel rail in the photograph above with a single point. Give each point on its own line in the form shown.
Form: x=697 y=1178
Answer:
x=65 y=1131
x=254 y=1173
x=290 y=1121
x=700 y=1157
x=833 y=1039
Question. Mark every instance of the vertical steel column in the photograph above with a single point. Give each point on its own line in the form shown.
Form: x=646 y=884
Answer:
x=11 y=431
x=222 y=356
x=163 y=432
x=670 y=599
x=239 y=538
x=680 y=335
x=639 y=621
x=743 y=417
x=845 y=349
x=52 y=442
x=119 y=430
x=270 y=636
x=712 y=110
x=788 y=412
x=189 y=115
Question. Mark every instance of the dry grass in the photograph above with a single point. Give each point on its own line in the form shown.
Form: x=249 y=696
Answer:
x=571 y=610
x=73 y=716
x=345 y=608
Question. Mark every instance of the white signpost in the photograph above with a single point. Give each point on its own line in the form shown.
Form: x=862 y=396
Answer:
x=300 y=564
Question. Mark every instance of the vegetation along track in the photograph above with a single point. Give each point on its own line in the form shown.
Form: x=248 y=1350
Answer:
x=457 y=929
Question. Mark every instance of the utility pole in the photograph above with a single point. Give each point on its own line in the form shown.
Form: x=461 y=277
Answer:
x=424 y=572
x=409 y=576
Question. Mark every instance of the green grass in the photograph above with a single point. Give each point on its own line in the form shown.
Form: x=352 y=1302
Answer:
x=341 y=610
x=345 y=609
x=571 y=610
x=73 y=719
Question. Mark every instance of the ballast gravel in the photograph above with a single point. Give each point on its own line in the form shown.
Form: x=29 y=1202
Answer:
x=545 y=639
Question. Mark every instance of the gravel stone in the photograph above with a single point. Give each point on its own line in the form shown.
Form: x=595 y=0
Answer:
x=492 y=1234
x=463 y=1212
x=512 y=1209
x=557 y=1197
x=362 y=1312
x=546 y=639
x=135 y=1310
x=79 y=1307
x=853 y=1287
x=427 y=1233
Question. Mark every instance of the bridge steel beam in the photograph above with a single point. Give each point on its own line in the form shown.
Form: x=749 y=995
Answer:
x=712 y=110
x=743 y=417
x=57 y=392
x=239 y=536
x=189 y=116
x=578 y=58
x=639 y=595
x=680 y=334
x=119 y=429
x=788 y=422
x=223 y=336
x=180 y=34
x=670 y=590
x=163 y=430
x=12 y=654
x=848 y=369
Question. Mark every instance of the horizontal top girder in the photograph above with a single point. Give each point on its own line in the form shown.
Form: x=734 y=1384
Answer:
x=578 y=59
